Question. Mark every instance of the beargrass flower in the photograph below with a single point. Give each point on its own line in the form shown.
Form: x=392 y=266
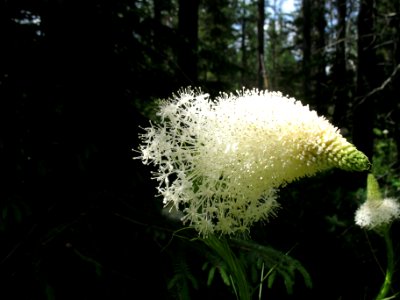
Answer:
x=376 y=211
x=222 y=161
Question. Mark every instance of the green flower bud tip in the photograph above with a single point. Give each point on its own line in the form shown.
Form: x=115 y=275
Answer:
x=373 y=192
x=352 y=159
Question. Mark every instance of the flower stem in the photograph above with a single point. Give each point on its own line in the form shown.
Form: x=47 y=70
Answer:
x=238 y=276
x=390 y=266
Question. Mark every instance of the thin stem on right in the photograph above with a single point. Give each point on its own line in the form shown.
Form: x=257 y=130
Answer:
x=390 y=266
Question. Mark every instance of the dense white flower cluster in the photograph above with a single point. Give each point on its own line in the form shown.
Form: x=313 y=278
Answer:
x=222 y=161
x=375 y=213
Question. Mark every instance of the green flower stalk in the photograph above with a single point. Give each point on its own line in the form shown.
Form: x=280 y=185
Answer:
x=387 y=283
x=222 y=161
x=378 y=213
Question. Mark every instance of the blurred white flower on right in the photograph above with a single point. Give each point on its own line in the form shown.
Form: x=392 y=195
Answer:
x=378 y=212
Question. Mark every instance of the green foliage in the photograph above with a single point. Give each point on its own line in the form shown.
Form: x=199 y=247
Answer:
x=222 y=270
x=242 y=271
x=183 y=280
x=49 y=292
x=12 y=213
x=385 y=162
x=149 y=108
x=281 y=62
x=218 y=63
x=234 y=266
x=257 y=257
x=97 y=266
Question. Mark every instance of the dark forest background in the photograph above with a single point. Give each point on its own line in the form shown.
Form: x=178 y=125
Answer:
x=78 y=216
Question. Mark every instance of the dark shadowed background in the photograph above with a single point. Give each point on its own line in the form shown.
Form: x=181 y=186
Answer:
x=79 y=218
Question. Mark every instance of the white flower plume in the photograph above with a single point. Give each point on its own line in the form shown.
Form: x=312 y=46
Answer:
x=222 y=161
x=376 y=211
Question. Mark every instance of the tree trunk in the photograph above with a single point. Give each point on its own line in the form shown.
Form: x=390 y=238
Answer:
x=272 y=48
x=320 y=69
x=262 y=76
x=396 y=85
x=306 y=47
x=340 y=96
x=366 y=79
x=188 y=16
x=243 y=45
